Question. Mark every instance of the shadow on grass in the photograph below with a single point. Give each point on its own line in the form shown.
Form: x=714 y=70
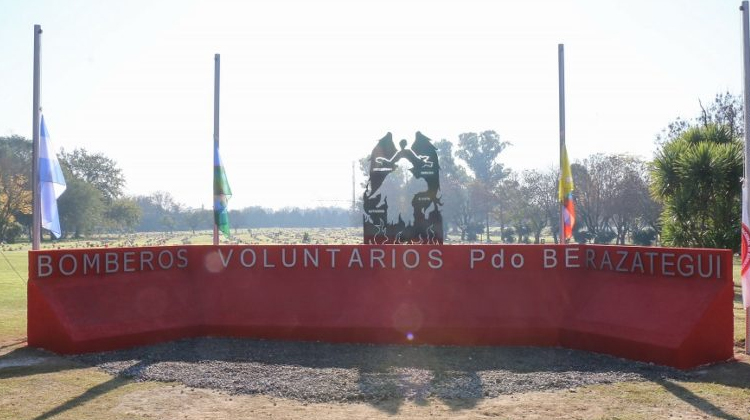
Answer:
x=735 y=374
x=387 y=382
x=696 y=401
x=90 y=394
x=12 y=343
x=27 y=361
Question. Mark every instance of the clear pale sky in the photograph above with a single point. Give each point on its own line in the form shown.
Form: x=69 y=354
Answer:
x=309 y=86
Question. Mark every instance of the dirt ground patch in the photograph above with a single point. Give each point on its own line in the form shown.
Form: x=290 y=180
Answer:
x=613 y=401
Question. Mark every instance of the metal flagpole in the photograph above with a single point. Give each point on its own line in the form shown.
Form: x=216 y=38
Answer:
x=746 y=73
x=36 y=213
x=217 y=60
x=561 y=75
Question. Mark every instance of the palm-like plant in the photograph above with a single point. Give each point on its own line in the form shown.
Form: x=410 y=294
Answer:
x=696 y=176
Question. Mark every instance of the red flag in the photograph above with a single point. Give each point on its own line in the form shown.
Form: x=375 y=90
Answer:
x=565 y=193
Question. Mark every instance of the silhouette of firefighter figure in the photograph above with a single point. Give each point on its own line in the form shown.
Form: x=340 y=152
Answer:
x=424 y=225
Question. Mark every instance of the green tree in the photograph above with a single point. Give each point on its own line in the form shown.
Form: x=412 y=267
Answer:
x=92 y=198
x=631 y=196
x=649 y=218
x=696 y=177
x=611 y=195
x=202 y=218
x=513 y=212
x=168 y=223
x=15 y=185
x=123 y=214
x=160 y=212
x=726 y=109
x=15 y=200
x=80 y=204
x=538 y=200
x=481 y=204
x=454 y=188
x=81 y=208
x=480 y=152
x=550 y=201
x=97 y=170
x=595 y=180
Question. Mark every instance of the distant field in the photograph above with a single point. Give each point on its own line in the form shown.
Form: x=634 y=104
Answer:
x=282 y=236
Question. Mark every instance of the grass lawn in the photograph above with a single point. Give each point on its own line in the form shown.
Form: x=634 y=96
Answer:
x=13 y=276
x=739 y=311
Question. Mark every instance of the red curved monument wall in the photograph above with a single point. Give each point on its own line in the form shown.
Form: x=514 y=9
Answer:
x=663 y=305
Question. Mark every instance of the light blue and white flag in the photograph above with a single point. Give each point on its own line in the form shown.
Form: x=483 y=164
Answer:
x=52 y=183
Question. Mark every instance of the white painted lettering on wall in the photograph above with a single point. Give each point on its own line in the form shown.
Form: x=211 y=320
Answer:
x=638 y=261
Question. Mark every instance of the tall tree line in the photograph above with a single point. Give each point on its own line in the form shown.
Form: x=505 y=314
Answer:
x=612 y=196
x=162 y=213
x=93 y=200
x=688 y=195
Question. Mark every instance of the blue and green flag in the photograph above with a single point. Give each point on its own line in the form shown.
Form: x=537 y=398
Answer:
x=222 y=193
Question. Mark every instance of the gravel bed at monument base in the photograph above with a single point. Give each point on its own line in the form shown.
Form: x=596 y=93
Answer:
x=324 y=372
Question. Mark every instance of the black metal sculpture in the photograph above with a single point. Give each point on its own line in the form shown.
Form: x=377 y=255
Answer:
x=425 y=224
